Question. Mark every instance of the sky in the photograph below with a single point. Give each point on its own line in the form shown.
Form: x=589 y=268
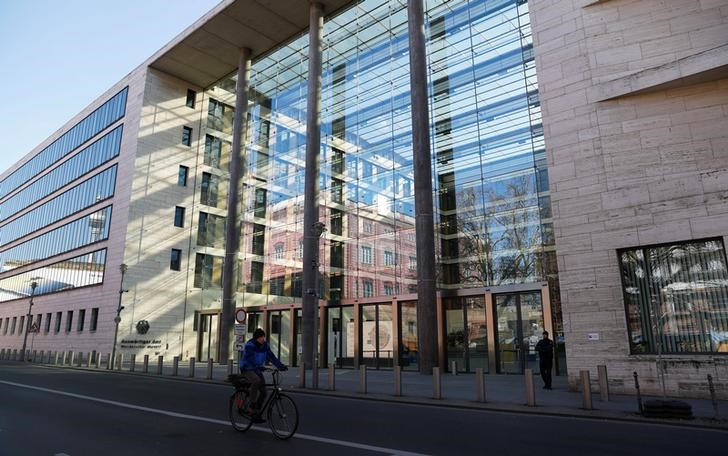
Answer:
x=57 y=56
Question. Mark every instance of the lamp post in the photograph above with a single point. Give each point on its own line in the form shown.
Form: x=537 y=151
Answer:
x=33 y=286
x=318 y=229
x=117 y=319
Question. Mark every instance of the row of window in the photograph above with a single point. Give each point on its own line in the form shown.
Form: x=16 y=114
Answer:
x=78 y=233
x=89 y=192
x=77 y=272
x=105 y=115
x=45 y=322
x=93 y=156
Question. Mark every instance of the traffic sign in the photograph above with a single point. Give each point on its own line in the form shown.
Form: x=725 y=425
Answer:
x=241 y=315
x=34 y=328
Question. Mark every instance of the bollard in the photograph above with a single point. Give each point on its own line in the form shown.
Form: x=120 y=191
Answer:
x=2 y=353
x=109 y=362
x=302 y=375
x=332 y=377
x=479 y=385
x=716 y=416
x=209 y=368
x=88 y=360
x=436 y=386
x=71 y=358
x=192 y=368
x=160 y=365
x=42 y=356
x=35 y=354
x=231 y=366
x=98 y=360
x=639 y=396
x=363 y=379
x=119 y=361
x=93 y=356
x=145 y=367
x=603 y=383
x=585 y=390
x=175 y=366
x=530 y=390
x=80 y=359
x=132 y=363
x=63 y=359
x=20 y=355
x=56 y=359
x=454 y=367
x=397 y=380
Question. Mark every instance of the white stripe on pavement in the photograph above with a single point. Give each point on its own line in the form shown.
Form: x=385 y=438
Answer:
x=314 y=438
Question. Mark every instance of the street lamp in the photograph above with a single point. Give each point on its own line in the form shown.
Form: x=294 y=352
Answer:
x=33 y=286
x=117 y=319
x=318 y=229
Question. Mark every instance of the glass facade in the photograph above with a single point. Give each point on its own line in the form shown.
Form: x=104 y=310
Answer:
x=80 y=271
x=94 y=123
x=676 y=297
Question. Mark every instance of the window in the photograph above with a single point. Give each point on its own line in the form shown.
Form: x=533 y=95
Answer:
x=12 y=328
x=7 y=323
x=59 y=315
x=94 y=319
x=81 y=319
x=368 y=288
x=20 y=327
x=366 y=255
x=412 y=263
x=367 y=227
x=38 y=320
x=676 y=297
x=388 y=289
x=48 y=322
x=191 y=95
x=279 y=251
x=187 y=136
x=69 y=320
x=179 y=216
x=175 y=260
x=182 y=176
x=389 y=258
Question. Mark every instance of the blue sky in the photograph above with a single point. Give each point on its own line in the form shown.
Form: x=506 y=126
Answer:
x=56 y=56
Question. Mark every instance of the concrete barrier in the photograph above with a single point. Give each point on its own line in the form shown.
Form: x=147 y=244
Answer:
x=479 y=385
x=436 y=384
x=530 y=390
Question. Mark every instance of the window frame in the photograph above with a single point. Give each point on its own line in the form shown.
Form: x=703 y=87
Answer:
x=187 y=136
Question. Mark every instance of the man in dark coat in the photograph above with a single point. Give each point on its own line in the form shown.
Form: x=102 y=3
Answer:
x=545 y=349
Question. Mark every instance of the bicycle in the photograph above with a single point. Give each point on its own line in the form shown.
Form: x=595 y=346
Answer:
x=281 y=411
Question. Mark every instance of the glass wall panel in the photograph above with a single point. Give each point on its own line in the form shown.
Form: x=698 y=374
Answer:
x=676 y=297
x=409 y=351
x=76 y=272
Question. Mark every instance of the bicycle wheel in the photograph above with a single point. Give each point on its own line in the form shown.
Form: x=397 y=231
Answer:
x=283 y=417
x=239 y=419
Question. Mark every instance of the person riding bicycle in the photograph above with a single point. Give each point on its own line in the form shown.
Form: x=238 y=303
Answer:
x=255 y=354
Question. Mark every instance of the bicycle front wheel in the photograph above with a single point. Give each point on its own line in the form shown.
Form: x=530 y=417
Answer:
x=283 y=417
x=240 y=420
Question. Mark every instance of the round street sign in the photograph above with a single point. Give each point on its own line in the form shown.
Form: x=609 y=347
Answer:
x=241 y=315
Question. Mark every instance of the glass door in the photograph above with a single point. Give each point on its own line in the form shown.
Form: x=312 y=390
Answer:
x=341 y=336
x=466 y=333
x=519 y=324
x=377 y=335
x=279 y=326
x=208 y=341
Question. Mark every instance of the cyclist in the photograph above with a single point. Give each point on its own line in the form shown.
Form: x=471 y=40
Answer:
x=256 y=353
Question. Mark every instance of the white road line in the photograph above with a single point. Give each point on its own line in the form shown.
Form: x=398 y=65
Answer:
x=314 y=438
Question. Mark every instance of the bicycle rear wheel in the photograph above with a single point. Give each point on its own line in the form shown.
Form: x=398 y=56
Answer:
x=240 y=420
x=283 y=417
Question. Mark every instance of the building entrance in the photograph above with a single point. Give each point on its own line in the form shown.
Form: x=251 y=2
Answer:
x=466 y=336
x=519 y=324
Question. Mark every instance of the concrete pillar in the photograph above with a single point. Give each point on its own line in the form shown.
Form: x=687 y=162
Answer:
x=530 y=390
x=422 y=166
x=311 y=229
x=232 y=228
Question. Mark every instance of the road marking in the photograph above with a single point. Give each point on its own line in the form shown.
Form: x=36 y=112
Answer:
x=314 y=438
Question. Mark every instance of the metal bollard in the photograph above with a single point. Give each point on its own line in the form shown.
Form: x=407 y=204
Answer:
x=639 y=396
x=132 y=363
x=302 y=375
x=716 y=415
x=603 y=383
x=209 y=369
x=175 y=366
x=436 y=385
x=586 y=390
x=160 y=365
x=332 y=377
x=479 y=385
x=398 y=380
x=363 y=379
x=231 y=366
x=145 y=367
x=530 y=390
x=192 y=368
x=454 y=367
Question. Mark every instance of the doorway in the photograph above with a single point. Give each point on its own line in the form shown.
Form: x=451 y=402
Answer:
x=519 y=325
x=208 y=340
x=466 y=333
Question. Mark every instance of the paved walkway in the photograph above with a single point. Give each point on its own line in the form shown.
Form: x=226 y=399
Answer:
x=503 y=392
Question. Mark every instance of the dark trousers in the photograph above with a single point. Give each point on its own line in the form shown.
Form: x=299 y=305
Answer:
x=545 y=368
x=257 y=388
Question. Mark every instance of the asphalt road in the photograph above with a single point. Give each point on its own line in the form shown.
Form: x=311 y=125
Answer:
x=51 y=411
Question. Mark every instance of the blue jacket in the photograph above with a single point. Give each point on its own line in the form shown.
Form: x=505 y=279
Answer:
x=255 y=356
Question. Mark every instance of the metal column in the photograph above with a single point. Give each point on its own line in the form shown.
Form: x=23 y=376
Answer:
x=426 y=298
x=232 y=225
x=311 y=226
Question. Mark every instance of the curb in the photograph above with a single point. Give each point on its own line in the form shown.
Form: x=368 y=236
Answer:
x=596 y=414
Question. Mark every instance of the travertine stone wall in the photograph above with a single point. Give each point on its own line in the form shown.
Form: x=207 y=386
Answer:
x=634 y=96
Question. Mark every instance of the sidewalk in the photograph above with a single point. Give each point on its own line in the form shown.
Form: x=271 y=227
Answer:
x=503 y=392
